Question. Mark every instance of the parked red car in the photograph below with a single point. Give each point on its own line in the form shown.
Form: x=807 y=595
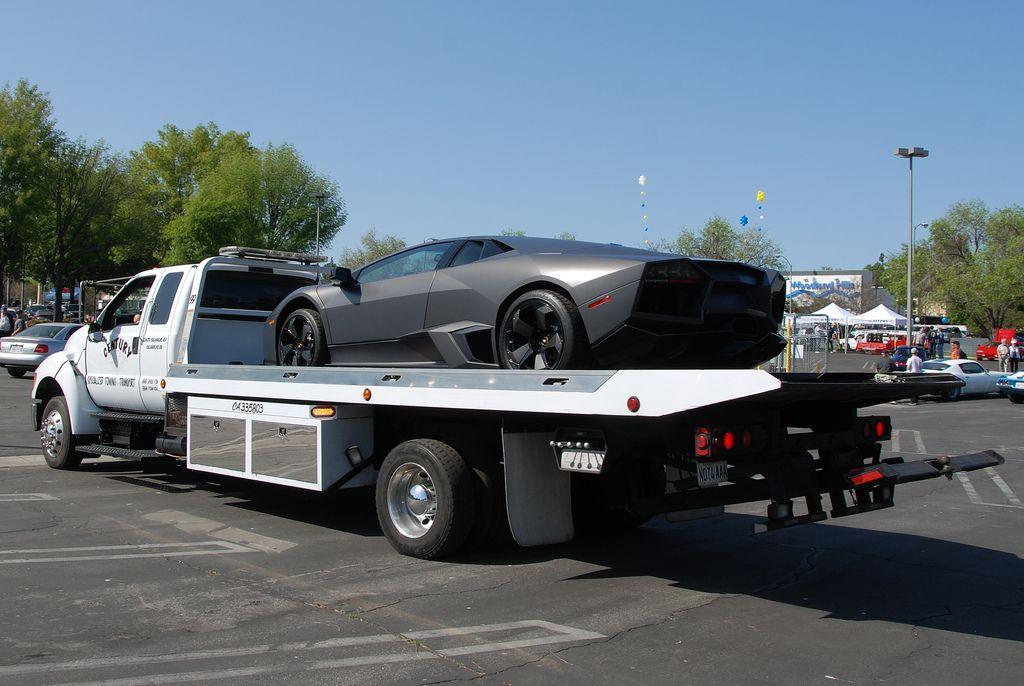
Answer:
x=986 y=351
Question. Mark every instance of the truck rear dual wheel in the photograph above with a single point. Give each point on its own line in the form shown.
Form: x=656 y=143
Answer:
x=426 y=499
x=58 y=442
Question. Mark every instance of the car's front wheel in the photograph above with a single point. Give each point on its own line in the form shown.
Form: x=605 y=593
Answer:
x=301 y=341
x=541 y=329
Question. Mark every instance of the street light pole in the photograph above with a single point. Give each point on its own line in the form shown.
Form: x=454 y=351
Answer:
x=910 y=154
x=320 y=197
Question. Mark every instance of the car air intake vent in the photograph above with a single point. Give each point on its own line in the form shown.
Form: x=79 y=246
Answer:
x=673 y=289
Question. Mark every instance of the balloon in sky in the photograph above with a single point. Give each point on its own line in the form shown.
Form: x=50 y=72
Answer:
x=642 y=180
x=760 y=195
x=744 y=220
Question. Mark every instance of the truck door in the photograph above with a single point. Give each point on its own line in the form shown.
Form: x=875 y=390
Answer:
x=112 y=351
x=157 y=334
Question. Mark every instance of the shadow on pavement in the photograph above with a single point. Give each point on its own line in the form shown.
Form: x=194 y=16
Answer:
x=847 y=573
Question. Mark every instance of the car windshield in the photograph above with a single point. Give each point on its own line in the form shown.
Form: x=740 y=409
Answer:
x=42 y=330
x=937 y=366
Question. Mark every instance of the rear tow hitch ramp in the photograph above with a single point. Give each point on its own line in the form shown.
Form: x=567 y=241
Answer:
x=872 y=487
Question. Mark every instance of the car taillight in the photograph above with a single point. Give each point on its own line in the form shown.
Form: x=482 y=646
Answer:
x=42 y=348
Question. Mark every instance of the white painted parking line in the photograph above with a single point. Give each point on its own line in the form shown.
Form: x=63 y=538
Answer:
x=552 y=634
x=25 y=497
x=972 y=492
x=1004 y=487
x=211 y=527
x=899 y=434
x=120 y=552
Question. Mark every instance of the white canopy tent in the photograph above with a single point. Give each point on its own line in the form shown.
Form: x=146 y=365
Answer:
x=880 y=315
x=837 y=314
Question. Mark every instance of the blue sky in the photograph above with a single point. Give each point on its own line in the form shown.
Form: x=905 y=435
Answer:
x=442 y=119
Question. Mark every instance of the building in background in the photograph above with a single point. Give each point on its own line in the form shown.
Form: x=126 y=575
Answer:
x=853 y=289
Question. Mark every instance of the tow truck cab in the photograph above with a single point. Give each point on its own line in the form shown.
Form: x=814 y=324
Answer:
x=212 y=312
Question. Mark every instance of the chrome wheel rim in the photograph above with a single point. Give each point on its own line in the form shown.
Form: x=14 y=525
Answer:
x=52 y=434
x=533 y=336
x=296 y=344
x=412 y=500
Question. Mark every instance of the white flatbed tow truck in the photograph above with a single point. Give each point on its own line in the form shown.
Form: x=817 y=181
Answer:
x=458 y=456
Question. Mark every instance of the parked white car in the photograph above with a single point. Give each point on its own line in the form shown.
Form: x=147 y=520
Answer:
x=977 y=380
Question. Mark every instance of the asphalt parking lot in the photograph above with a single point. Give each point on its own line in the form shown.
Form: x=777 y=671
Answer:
x=113 y=576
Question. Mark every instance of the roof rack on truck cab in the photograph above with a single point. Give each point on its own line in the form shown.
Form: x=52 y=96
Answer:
x=274 y=255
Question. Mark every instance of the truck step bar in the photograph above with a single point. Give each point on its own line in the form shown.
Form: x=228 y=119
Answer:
x=134 y=417
x=117 y=451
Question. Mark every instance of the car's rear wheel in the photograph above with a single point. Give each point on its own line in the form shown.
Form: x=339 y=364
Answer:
x=16 y=373
x=301 y=341
x=954 y=393
x=1017 y=399
x=541 y=329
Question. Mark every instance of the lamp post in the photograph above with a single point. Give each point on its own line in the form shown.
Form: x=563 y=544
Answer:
x=910 y=154
x=320 y=197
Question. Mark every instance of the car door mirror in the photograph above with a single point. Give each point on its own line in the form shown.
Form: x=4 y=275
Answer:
x=342 y=276
x=95 y=332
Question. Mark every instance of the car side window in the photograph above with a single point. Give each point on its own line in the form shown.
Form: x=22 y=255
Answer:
x=422 y=259
x=468 y=253
x=972 y=368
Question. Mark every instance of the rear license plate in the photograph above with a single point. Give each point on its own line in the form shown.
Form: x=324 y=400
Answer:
x=16 y=347
x=712 y=473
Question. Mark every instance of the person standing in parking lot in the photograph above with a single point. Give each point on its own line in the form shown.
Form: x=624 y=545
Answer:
x=20 y=322
x=914 y=362
x=1003 y=355
x=940 y=343
x=6 y=321
x=1014 y=357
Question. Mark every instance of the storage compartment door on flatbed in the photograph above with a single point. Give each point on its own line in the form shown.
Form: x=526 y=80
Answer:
x=280 y=443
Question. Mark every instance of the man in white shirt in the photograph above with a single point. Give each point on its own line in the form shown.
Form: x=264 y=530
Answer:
x=1003 y=355
x=913 y=362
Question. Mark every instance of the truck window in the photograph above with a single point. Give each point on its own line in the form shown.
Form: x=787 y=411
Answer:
x=127 y=304
x=238 y=290
x=161 y=310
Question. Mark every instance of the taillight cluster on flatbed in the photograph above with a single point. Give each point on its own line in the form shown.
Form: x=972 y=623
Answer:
x=719 y=442
x=872 y=429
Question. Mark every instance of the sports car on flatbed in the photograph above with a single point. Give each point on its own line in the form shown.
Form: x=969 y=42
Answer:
x=532 y=303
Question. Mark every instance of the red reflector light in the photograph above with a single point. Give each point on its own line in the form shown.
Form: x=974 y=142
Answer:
x=600 y=301
x=866 y=429
x=748 y=439
x=728 y=440
x=42 y=348
x=702 y=442
x=865 y=477
x=633 y=404
x=880 y=428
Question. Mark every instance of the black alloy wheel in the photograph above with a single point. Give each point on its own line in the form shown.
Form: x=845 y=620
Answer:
x=540 y=331
x=300 y=340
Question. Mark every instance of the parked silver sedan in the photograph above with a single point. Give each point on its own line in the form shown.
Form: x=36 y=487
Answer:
x=22 y=352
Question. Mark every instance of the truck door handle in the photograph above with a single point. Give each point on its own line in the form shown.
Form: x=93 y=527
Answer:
x=135 y=345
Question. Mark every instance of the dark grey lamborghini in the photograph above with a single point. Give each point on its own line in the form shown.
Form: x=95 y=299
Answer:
x=532 y=303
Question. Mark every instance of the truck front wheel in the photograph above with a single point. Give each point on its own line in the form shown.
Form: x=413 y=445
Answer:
x=425 y=499
x=58 y=442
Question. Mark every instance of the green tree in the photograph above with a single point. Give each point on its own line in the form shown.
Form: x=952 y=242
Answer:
x=971 y=265
x=28 y=138
x=258 y=198
x=509 y=231
x=166 y=173
x=719 y=240
x=81 y=188
x=566 y=236
x=372 y=248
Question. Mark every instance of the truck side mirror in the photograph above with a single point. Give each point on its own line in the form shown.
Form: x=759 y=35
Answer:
x=94 y=327
x=343 y=277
